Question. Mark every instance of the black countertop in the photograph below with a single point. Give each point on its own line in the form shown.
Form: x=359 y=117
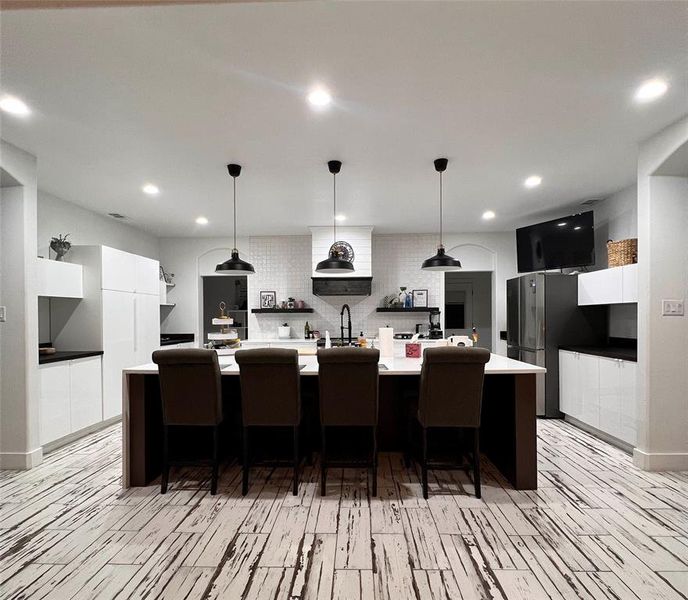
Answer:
x=621 y=349
x=67 y=355
x=167 y=339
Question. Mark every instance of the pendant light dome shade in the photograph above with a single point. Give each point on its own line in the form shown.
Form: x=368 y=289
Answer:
x=441 y=261
x=235 y=266
x=334 y=264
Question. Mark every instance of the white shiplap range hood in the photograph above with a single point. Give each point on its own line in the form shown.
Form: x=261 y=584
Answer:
x=356 y=283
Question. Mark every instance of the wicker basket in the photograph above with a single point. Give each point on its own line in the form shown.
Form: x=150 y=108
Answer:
x=623 y=252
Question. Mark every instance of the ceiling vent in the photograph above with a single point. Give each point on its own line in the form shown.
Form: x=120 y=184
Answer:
x=116 y=216
x=591 y=201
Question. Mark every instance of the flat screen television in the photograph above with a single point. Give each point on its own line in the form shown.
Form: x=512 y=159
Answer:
x=556 y=244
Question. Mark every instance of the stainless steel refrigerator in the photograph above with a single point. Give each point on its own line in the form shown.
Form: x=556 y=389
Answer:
x=542 y=315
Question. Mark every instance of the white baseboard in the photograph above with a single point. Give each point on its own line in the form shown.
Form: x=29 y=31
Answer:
x=72 y=437
x=21 y=460
x=660 y=461
x=610 y=439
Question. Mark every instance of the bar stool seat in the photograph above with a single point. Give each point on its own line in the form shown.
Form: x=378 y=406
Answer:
x=270 y=397
x=191 y=394
x=450 y=396
x=348 y=386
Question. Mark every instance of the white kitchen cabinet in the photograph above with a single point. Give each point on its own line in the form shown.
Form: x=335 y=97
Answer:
x=629 y=282
x=629 y=402
x=120 y=315
x=589 y=377
x=57 y=279
x=54 y=416
x=569 y=384
x=70 y=397
x=610 y=395
x=119 y=270
x=618 y=285
x=600 y=287
x=86 y=392
x=600 y=392
x=147 y=276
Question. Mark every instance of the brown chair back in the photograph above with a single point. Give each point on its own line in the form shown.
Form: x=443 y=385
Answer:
x=270 y=389
x=451 y=386
x=348 y=386
x=189 y=386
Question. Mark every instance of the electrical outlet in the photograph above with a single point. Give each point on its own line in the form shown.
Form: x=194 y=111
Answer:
x=3 y=312
x=672 y=308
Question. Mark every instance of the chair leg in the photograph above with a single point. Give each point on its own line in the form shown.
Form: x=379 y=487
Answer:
x=216 y=460
x=295 y=491
x=476 y=461
x=323 y=462
x=424 y=467
x=244 y=474
x=374 y=461
x=165 y=461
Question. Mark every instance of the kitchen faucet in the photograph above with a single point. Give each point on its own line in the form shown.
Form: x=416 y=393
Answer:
x=341 y=323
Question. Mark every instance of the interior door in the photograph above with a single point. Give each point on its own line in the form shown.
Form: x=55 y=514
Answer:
x=532 y=311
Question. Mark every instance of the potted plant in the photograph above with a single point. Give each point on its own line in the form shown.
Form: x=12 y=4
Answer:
x=60 y=246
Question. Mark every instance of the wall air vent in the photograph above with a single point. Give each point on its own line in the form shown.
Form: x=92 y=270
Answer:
x=591 y=201
x=116 y=216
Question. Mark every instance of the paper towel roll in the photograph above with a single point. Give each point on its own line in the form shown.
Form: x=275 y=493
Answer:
x=386 y=337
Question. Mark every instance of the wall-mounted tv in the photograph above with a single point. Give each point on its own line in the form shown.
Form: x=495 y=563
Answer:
x=556 y=244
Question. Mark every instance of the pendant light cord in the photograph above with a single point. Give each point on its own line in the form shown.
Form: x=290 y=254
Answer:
x=441 y=242
x=234 y=186
x=334 y=206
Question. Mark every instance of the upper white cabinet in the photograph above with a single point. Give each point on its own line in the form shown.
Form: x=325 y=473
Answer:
x=57 y=279
x=119 y=270
x=617 y=285
x=147 y=276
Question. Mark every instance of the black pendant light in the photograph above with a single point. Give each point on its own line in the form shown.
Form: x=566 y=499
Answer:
x=334 y=263
x=235 y=266
x=441 y=261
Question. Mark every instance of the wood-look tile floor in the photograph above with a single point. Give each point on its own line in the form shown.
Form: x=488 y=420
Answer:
x=596 y=528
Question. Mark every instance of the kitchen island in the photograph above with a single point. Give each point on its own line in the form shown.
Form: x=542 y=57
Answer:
x=508 y=430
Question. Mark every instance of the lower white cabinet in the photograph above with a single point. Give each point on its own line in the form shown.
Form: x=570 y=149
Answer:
x=71 y=397
x=600 y=392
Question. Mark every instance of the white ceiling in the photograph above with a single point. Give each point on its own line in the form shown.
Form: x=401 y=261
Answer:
x=170 y=95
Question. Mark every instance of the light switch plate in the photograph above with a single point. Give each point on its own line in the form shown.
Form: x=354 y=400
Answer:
x=672 y=308
x=3 y=312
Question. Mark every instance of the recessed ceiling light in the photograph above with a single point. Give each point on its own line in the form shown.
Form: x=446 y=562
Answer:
x=562 y=224
x=651 y=90
x=151 y=189
x=201 y=221
x=319 y=98
x=577 y=228
x=532 y=181
x=340 y=218
x=489 y=214
x=14 y=106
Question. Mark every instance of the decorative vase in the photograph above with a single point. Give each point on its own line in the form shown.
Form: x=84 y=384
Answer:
x=60 y=246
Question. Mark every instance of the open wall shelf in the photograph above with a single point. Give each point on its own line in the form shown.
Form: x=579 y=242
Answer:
x=414 y=309
x=273 y=311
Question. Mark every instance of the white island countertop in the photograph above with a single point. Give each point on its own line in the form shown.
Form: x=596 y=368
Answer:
x=497 y=365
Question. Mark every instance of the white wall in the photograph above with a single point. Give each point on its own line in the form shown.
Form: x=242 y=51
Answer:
x=662 y=274
x=58 y=216
x=19 y=393
x=283 y=265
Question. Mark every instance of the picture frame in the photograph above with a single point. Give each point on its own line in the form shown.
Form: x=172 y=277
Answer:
x=420 y=298
x=268 y=299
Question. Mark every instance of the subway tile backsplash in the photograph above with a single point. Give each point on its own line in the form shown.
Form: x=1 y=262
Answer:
x=283 y=265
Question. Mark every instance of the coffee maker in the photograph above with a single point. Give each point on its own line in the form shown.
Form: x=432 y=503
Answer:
x=435 y=332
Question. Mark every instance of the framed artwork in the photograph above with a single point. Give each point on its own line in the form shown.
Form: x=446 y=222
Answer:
x=268 y=299
x=420 y=298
